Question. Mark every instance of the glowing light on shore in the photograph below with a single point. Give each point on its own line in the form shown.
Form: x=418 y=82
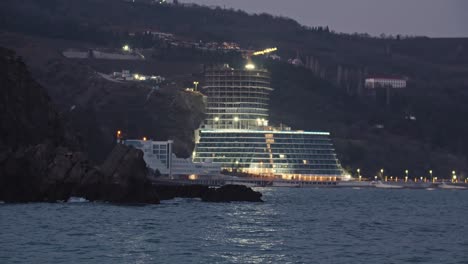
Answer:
x=250 y=66
x=265 y=51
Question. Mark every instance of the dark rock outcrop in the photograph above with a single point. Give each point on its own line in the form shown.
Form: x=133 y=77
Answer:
x=232 y=193
x=44 y=173
x=41 y=173
x=124 y=179
x=39 y=160
x=227 y=193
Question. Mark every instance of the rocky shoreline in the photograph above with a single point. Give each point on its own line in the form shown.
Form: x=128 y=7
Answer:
x=47 y=174
x=226 y=193
x=41 y=160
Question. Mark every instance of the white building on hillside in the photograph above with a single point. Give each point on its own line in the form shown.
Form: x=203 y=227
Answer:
x=158 y=156
x=384 y=82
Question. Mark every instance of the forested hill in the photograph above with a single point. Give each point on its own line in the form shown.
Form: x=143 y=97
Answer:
x=423 y=128
x=90 y=20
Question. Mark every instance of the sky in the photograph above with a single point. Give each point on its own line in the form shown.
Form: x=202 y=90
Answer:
x=433 y=18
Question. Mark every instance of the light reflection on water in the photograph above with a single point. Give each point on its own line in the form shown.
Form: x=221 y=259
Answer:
x=292 y=226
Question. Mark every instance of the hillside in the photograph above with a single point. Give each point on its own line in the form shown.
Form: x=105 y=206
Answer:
x=369 y=135
x=27 y=115
x=96 y=108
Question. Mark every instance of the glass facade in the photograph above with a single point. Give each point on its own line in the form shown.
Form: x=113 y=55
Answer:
x=269 y=152
x=236 y=98
x=236 y=134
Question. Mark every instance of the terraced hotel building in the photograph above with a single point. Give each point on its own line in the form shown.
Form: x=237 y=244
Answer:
x=236 y=98
x=236 y=134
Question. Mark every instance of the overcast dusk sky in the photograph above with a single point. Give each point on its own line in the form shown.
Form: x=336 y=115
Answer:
x=434 y=18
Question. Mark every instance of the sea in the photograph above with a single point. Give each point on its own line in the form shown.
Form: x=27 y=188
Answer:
x=292 y=225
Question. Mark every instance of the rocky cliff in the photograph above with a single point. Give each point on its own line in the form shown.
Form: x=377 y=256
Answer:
x=96 y=108
x=44 y=173
x=124 y=179
x=39 y=158
x=26 y=112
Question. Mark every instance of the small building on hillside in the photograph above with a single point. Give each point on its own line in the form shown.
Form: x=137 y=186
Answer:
x=126 y=75
x=296 y=62
x=158 y=156
x=385 y=82
x=383 y=89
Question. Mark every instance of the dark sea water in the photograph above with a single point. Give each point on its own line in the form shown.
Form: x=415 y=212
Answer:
x=292 y=226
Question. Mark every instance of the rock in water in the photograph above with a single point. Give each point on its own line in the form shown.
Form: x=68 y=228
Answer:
x=41 y=173
x=227 y=193
x=124 y=179
x=47 y=173
x=232 y=193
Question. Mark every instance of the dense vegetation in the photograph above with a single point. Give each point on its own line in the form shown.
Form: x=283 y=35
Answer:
x=437 y=70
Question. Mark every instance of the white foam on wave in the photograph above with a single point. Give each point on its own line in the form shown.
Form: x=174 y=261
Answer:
x=77 y=200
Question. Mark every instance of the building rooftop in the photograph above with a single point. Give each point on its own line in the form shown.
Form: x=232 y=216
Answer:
x=386 y=77
x=265 y=131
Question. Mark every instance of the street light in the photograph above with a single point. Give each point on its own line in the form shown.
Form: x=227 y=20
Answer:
x=119 y=136
x=359 y=174
x=382 y=173
x=430 y=173
x=406 y=177
x=196 y=85
x=454 y=176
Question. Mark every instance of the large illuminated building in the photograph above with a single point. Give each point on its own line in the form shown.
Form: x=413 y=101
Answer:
x=236 y=134
x=237 y=98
